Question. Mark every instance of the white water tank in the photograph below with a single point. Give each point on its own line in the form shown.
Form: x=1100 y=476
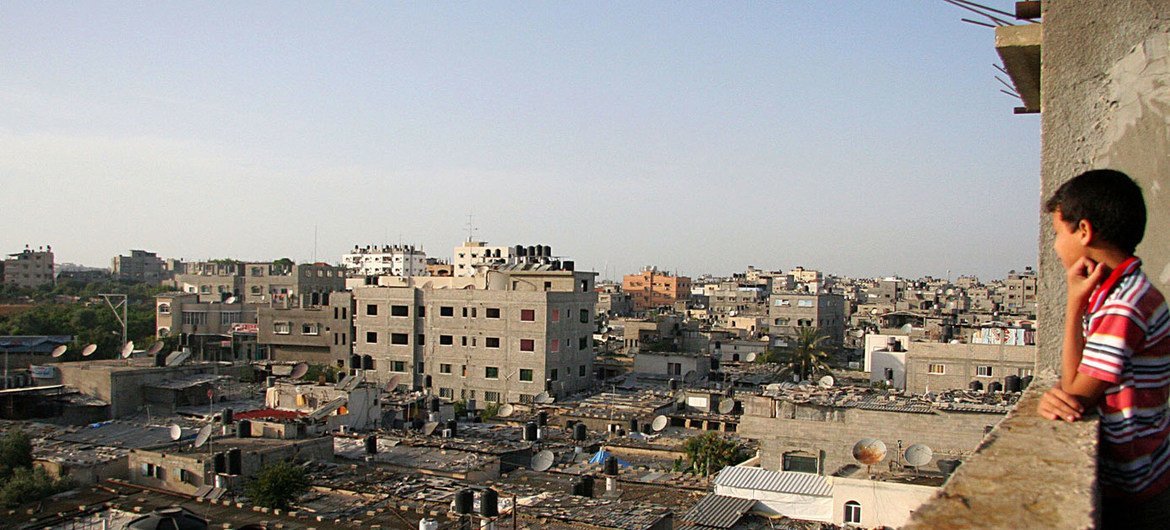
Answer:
x=428 y=524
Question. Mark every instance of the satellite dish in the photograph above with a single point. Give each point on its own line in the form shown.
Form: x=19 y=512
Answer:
x=203 y=436
x=541 y=398
x=659 y=423
x=155 y=348
x=344 y=381
x=726 y=406
x=176 y=432
x=127 y=350
x=88 y=350
x=689 y=377
x=299 y=371
x=328 y=408
x=907 y=329
x=230 y=300
x=177 y=358
x=826 y=382
x=751 y=357
x=869 y=451
x=918 y=455
x=543 y=460
x=429 y=427
x=506 y=410
x=59 y=350
x=353 y=383
x=392 y=384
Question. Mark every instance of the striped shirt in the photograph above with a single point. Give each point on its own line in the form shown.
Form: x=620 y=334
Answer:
x=1127 y=344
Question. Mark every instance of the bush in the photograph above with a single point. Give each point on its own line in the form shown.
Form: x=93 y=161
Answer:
x=277 y=485
x=15 y=452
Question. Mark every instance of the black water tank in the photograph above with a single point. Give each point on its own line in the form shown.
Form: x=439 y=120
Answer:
x=1011 y=383
x=633 y=424
x=220 y=463
x=243 y=429
x=489 y=503
x=975 y=385
x=433 y=405
x=674 y=384
x=235 y=461
x=417 y=424
x=546 y=251
x=453 y=426
x=371 y=445
x=647 y=428
x=580 y=432
x=568 y=265
x=611 y=466
x=227 y=416
x=530 y=431
x=519 y=251
x=994 y=386
x=160 y=359
x=541 y=418
x=1024 y=382
x=587 y=485
x=464 y=501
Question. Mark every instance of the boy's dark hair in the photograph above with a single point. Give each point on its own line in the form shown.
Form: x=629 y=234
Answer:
x=1111 y=202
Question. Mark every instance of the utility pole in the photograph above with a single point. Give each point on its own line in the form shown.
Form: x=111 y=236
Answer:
x=114 y=307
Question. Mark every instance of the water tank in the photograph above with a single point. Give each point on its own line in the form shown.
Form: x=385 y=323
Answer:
x=611 y=466
x=541 y=418
x=220 y=461
x=647 y=428
x=674 y=384
x=464 y=501
x=160 y=359
x=371 y=445
x=271 y=381
x=243 y=429
x=587 y=486
x=433 y=405
x=1011 y=383
x=530 y=431
x=531 y=251
x=975 y=386
x=633 y=424
x=546 y=251
x=994 y=386
x=580 y=432
x=417 y=424
x=428 y=524
x=489 y=503
x=519 y=252
x=235 y=461
x=226 y=416
x=453 y=426
x=1024 y=382
x=568 y=265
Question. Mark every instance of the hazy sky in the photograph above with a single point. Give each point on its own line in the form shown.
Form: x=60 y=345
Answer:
x=861 y=138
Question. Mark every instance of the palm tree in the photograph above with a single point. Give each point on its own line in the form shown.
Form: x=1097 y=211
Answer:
x=806 y=356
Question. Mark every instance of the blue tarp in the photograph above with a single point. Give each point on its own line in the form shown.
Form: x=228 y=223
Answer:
x=600 y=456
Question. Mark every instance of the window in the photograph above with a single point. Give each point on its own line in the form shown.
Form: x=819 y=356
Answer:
x=372 y=310
x=492 y=312
x=528 y=315
x=446 y=340
x=554 y=346
x=310 y=329
x=399 y=338
x=852 y=512
x=194 y=319
x=256 y=290
x=371 y=337
x=491 y=372
x=422 y=311
x=527 y=345
x=526 y=375
x=448 y=393
x=983 y=371
x=937 y=369
x=804 y=303
x=397 y=366
x=399 y=311
x=491 y=342
x=444 y=368
x=422 y=339
x=491 y=397
x=673 y=368
x=446 y=311
x=801 y=463
x=281 y=328
x=582 y=343
x=420 y=368
x=584 y=316
x=556 y=315
x=465 y=312
x=553 y=374
x=581 y=371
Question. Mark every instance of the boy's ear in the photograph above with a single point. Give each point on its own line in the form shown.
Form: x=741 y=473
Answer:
x=1085 y=232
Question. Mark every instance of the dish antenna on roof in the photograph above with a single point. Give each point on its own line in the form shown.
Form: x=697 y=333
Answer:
x=176 y=432
x=203 y=436
x=543 y=460
x=726 y=406
x=328 y=408
x=659 y=423
x=542 y=399
x=918 y=455
x=751 y=357
x=392 y=384
x=869 y=451
x=230 y=300
x=299 y=371
x=344 y=381
x=826 y=382
x=88 y=350
x=430 y=427
x=689 y=377
x=59 y=350
x=155 y=348
x=127 y=349
x=354 y=381
x=907 y=329
x=177 y=358
x=506 y=410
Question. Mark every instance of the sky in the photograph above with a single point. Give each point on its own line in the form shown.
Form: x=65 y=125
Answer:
x=858 y=138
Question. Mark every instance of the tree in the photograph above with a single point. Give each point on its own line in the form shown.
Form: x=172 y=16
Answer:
x=277 y=485
x=20 y=482
x=805 y=357
x=710 y=452
x=15 y=452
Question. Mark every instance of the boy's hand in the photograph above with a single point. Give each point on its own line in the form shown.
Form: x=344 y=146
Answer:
x=1083 y=277
x=1057 y=404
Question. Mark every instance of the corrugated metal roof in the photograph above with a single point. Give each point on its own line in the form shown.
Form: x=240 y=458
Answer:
x=719 y=511
x=756 y=478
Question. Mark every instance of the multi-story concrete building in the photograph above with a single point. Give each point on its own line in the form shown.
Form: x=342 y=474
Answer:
x=29 y=268
x=942 y=366
x=139 y=266
x=500 y=336
x=651 y=289
x=315 y=334
x=208 y=328
x=386 y=260
x=788 y=312
x=306 y=284
x=473 y=257
x=1019 y=295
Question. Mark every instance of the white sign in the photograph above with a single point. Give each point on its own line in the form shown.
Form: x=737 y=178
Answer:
x=42 y=372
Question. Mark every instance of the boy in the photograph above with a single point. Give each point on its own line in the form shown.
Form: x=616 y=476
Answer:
x=1116 y=353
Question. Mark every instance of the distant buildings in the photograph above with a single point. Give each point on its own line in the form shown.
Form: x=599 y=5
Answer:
x=29 y=268
x=474 y=256
x=305 y=284
x=651 y=289
x=790 y=311
x=139 y=266
x=386 y=260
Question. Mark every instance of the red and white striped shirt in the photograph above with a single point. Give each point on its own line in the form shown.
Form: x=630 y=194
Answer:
x=1127 y=344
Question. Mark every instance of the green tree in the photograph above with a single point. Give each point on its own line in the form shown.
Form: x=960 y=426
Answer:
x=20 y=482
x=710 y=452
x=15 y=452
x=805 y=357
x=278 y=485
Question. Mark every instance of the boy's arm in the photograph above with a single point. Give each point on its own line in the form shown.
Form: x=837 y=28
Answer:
x=1076 y=391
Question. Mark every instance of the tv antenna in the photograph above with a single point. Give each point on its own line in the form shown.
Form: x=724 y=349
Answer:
x=471 y=229
x=299 y=371
x=176 y=432
x=59 y=351
x=918 y=455
x=543 y=460
x=506 y=410
x=127 y=350
x=155 y=348
x=869 y=451
x=88 y=350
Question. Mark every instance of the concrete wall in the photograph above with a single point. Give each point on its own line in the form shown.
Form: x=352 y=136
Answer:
x=1105 y=105
x=883 y=504
x=960 y=364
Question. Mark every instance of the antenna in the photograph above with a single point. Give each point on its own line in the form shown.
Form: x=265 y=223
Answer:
x=392 y=384
x=155 y=348
x=328 y=408
x=176 y=432
x=429 y=427
x=869 y=451
x=542 y=398
x=230 y=300
x=543 y=460
x=59 y=350
x=299 y=371
x=203 y=436
x=177 y=358
x=127 y=350
x=751 y=357
x=506 y=410
x=88 y=350
x=659 y=423
x=689 y=377
x=907 y=329
x=826 y=382
x=726 y=406
x=918 y=455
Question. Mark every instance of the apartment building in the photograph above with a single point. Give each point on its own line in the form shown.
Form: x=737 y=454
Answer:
x=29 y=268
x=208 y=328
x=386 y=260
x=788 y=312
x=500 y=336
x=651 y=289
x=472 y=257
x=321 y=334
x=306 y=284
x=139 y=266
